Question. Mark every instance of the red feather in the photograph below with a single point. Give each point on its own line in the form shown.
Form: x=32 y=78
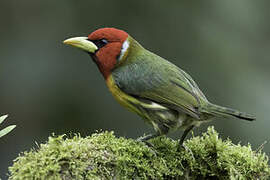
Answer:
x=106 y=57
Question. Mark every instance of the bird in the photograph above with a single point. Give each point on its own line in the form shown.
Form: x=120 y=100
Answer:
x=165 y=96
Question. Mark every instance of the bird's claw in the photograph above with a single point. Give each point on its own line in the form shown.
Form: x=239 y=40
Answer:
x=149 y=145
x=183 y=146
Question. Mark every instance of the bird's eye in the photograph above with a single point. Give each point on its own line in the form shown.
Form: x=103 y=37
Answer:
x=104 y=41
x=100 y=42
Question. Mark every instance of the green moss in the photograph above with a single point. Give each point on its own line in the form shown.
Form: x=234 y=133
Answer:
x=104 y=156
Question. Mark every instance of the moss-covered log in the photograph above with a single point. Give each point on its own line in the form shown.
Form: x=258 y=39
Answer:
x=104 y=156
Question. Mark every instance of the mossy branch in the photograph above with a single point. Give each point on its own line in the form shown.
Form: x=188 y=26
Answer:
x=104 y=156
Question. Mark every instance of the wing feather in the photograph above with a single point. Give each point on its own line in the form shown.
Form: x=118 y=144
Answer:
x=160 y=81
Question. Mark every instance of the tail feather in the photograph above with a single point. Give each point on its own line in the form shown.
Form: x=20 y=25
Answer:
x=220 y=111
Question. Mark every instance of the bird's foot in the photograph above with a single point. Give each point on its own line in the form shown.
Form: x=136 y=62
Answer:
x=149 y=145
x=182 y=147
x=145 y=139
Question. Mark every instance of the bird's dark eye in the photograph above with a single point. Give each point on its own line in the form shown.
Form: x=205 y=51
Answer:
x=100 y=42
x=104 y=41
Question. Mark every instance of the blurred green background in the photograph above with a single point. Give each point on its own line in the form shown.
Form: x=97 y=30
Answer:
x=48 y=87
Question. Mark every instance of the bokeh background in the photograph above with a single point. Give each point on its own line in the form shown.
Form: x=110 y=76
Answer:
x=47 y=87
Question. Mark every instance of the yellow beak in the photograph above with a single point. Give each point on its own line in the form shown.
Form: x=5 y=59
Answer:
x=82 y=43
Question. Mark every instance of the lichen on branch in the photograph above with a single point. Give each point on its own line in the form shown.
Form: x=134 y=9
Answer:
x=104 y=156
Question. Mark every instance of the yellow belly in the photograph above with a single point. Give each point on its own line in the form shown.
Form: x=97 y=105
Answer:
x=123 y=98
x=157 y=118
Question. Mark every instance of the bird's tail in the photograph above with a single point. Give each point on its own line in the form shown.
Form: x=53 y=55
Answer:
x=220 y=111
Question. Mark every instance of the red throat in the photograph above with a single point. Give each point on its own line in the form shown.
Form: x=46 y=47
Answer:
x=106 y=57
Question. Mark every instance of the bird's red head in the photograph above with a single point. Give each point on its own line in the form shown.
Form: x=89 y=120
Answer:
x=109 y=42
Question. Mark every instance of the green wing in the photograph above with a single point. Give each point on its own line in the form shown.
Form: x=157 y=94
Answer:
x=153 y=78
